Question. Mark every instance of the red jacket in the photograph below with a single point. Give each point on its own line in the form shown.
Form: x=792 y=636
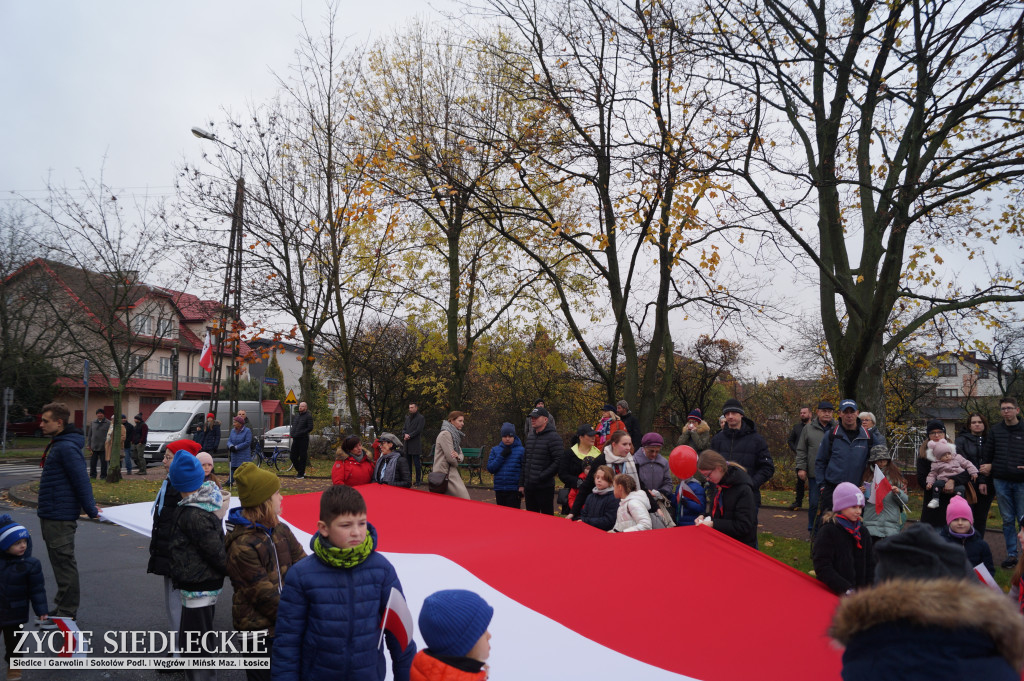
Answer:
x=351 y=472
x=428 y=668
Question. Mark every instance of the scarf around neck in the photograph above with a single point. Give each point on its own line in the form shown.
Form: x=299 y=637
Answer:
x=342 y=558
x=386 y=467
x=852 y=527
x=456 y=434
x=622 y=464
x=208 y=497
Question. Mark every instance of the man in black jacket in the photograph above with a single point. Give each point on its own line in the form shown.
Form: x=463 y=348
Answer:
x=412 y=435
x=302 y=426
x=1003 y=461
x=540 y=463
x=739 y=441
x=794 y=438
x=630 y=421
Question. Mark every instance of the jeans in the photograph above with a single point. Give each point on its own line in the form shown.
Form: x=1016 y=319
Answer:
x=812 y=502
x=128 y=459
x=1010 y=497
x=59 y=536
x=416 y=467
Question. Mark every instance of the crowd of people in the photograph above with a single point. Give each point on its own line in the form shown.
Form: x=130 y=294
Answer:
x=862 y=547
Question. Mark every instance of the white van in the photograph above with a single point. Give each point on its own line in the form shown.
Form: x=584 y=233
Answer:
x=177 y=419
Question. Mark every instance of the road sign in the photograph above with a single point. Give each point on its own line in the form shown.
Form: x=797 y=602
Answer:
x=291 y=398
x=269 y=381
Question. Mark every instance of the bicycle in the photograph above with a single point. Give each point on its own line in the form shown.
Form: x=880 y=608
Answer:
x=280 y=459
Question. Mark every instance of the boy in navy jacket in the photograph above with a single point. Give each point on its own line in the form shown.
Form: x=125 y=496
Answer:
x=329 y=616
x=21 y=582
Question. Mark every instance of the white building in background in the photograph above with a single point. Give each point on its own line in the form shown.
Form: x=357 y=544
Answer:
x=289 y=356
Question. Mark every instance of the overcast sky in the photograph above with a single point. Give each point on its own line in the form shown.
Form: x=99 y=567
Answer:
x=126 y=80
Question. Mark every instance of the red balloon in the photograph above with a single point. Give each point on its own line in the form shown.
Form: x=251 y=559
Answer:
x=683 y=461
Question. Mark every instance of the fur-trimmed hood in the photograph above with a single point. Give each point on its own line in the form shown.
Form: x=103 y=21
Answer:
x=943 y=604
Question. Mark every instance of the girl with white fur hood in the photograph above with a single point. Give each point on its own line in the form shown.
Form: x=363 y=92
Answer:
x=947 y=465
x=634 y=507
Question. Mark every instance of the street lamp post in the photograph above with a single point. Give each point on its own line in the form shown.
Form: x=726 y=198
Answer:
x=231 y=298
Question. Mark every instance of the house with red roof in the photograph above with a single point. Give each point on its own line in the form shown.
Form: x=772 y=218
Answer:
x=143 y=325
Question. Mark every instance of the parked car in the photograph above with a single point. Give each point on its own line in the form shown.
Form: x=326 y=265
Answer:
x=320 y=441
x=27 y=425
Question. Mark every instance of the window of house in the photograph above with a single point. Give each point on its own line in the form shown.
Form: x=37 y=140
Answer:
x=949 y=392
x=165 y=366
x=136 y=362
x=982 y=372
x=165 y=327
x=947 y=370
x=144 y=325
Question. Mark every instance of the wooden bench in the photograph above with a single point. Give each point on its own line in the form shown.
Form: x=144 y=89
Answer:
x=472 y=461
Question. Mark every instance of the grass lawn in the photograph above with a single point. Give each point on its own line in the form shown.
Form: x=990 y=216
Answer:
x=24 y=447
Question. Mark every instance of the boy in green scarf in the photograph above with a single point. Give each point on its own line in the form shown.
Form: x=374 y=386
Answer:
x=332 y=605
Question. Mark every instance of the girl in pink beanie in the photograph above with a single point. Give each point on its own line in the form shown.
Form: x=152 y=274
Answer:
x=842 y=552
x=959 y=530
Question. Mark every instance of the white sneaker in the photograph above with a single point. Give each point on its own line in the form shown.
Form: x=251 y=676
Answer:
x=934 y=503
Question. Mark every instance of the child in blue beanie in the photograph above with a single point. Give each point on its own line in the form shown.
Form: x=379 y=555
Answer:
x=454 y=625
x=198 y=557
x=21 y=581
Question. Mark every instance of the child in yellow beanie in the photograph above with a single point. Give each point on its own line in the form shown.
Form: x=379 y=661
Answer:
x=260 y=551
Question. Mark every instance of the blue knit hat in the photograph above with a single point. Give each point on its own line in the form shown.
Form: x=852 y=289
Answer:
x=10 y=533
x=453 y=620
x=186 y=473
x=508 y=429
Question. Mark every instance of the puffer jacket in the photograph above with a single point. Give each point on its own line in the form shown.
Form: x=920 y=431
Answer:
x=838 y=563
x=746 y=447
x=929 y=630
x=972 y=447
x=841 y=459
x=601 y=509
x=350 y=472
x=732 y=508
x=699 y=438
x=241 y=440
x=807 y=446
x=541 y=456
x=198 y=558
x=570 y=466
x=166 y=504
x=257 y=561
x=1004 y=449
x=976 y=548
x=427 y=667
x=890 y=520
x=21 y=583
x=688 y=510
x=947 y=469
x=209 y=438
x=505 y=464
x=328 y=621
x=633 y=514
x=64 y=487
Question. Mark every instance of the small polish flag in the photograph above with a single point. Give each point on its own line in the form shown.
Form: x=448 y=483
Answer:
x=880 y=488
x=982 y=573
x=206 y=356
x=397 y=620
x=72 y=637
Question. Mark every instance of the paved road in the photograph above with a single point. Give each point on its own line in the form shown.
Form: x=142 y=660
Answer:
x=117 y=594
x=15 y=472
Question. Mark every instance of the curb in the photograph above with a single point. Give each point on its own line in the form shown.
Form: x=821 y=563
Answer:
x=23 y=495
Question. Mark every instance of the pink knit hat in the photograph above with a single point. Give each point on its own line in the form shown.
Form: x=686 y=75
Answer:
x=939 y=449
x=958 y=508
x=846 y=495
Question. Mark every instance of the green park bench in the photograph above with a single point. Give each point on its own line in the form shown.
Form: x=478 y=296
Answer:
x=472 y=461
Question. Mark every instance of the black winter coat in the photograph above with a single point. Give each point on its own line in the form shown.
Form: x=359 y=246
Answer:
x=541 y=459
x=976 y=548
x=972 y=447
x=570 y=467
x=633 y=428
x=208 y=438
x=198 y=557
x=746 y=447
x=302 y=424
x=599 y=510
x=1004 y=449
x=735 y=514
x=413 y=427
x=21 y=582
x=838 y=563
x=160 y=536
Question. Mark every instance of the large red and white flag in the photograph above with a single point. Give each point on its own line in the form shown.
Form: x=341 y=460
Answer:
x=397 y=620
x=206 y=356
x=880 y=488
x=572 y=602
